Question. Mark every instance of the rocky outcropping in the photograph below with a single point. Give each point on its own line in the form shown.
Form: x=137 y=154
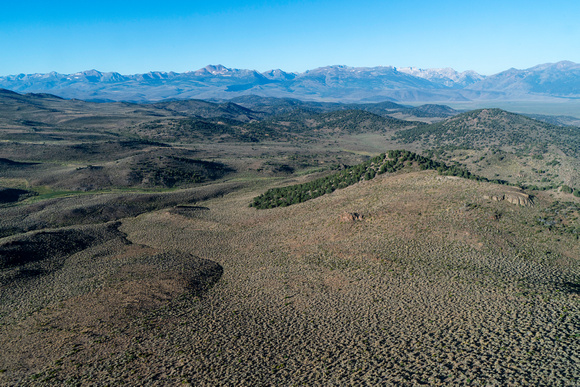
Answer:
x=515 y=197
x=351 y=217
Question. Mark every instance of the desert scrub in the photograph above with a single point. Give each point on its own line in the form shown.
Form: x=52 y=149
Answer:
x=493 y=127
x=562 y=217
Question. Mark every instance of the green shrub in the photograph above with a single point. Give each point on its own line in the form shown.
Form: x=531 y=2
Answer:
x=390 y=162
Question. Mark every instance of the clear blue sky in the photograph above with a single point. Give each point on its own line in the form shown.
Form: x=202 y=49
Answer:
x=294 y=35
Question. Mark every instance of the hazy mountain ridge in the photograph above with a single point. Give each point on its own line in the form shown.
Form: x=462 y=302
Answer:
x=445 y=76
x=330 y=83
x=560 y=79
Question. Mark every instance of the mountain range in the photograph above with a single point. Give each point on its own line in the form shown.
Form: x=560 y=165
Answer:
x=549 y=81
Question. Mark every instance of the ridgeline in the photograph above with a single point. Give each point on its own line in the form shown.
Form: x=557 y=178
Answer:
x=389 y=162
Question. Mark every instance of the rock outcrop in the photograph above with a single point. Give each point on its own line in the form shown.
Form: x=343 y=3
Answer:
x=515 y=197
x=351 y=217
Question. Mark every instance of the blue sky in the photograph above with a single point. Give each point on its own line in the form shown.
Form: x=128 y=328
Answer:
x=294 y=35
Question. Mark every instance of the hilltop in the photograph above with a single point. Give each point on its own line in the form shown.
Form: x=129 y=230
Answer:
x=499 y=144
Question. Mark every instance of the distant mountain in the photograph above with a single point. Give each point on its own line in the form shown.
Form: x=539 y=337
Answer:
x=560 y=79
x=556 y=120
x=279 y=75
x=328 y=84
x=446 y=77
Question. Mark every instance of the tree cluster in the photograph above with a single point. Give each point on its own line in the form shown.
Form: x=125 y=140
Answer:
x=389 y=162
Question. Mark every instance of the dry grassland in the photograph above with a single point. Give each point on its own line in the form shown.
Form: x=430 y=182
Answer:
x=435 y=285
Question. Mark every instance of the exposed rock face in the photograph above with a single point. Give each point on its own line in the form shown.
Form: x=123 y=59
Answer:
x=351 y=217
x=519 y=198
x=515 y=197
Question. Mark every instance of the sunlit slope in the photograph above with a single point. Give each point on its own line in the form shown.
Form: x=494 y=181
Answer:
x=508 y=146
x=430 y=282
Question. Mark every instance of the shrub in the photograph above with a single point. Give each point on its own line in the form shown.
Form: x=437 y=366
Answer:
x=390 y=162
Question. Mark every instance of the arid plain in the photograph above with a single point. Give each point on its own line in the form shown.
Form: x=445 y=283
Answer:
x=408 y=278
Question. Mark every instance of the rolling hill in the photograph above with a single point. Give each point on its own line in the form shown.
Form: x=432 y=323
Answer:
x=508 y=146
x=376 y=250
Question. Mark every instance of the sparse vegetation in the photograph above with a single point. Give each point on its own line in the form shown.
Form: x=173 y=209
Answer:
x=499 y=145
x=139 y=261
x=390 y=162
x=495 y=127
x=562 y=217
